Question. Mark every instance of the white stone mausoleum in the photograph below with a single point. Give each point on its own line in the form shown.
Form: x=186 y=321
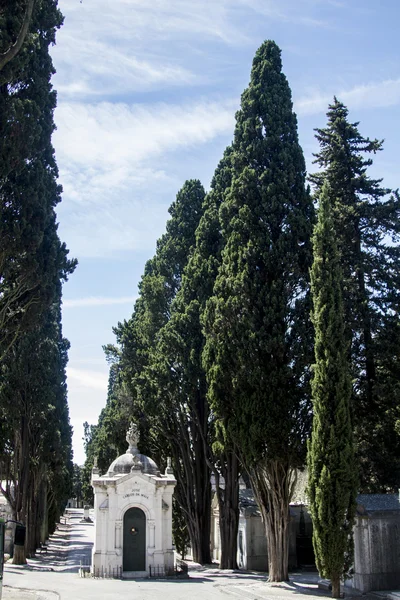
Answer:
x=133 y=515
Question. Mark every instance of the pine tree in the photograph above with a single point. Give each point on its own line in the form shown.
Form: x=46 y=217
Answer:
x=332 y=483
x=367 y=222
x=256 y=323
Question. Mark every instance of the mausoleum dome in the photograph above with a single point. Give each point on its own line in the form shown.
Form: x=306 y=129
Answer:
x=132 y=459
x=128 y=461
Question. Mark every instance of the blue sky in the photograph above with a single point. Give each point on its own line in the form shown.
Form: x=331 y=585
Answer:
x=147 y=92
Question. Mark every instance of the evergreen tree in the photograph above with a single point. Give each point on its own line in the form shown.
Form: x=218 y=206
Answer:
x=106 y=441
x=146 y=343
x=28 y=172
x=166 y=426
x=15 y=17
x=35 y=441
x=332 y=483
x=367 y=223
x=183 y=346
x=256 y=323
x=35 y=434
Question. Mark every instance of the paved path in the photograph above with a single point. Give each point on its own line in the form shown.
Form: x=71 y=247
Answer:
x=54 y=576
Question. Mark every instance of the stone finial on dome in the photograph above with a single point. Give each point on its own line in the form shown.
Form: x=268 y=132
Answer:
x=132 y=436
x=95 y=468
x=168 y=470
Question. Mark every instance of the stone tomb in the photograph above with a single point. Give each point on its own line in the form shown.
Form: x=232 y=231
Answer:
x=133 y=515
x=376 y=543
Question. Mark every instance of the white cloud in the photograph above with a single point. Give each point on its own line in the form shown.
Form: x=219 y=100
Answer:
x=286 y=11
x=115 y=135
x=126 y=46
x=97 y=301
x=106 y=70
x=94 y=380
x=372 y=95
x=113 y=160
x=130 y=46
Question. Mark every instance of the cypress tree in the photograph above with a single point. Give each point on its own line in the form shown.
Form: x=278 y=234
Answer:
x=33 y=264
x=331 y=461
x=29 y=190
x=17 y=15
x=35 y=440
x=146 y=343
x=181 y=381
x=256 y=322
x=367 y=221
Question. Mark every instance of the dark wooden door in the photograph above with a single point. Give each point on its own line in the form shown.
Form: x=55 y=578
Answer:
x=134 y=550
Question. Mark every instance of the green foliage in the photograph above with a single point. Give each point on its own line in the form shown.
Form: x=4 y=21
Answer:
x=332 y=484
x=366 y=219
x=257 y=325
x=186 y=350
x=106 y=440
x=35 y=451
x=167 y=400
x=29 y=190
x=35 y=434
x=258 y=301
x=149 y=374
x=161 y=280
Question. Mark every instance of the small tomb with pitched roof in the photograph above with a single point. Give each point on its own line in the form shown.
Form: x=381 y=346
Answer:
x=133 y=516
x=376 y=543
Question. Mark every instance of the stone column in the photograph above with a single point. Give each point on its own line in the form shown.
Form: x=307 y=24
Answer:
x=152 y=527
x=118 y=531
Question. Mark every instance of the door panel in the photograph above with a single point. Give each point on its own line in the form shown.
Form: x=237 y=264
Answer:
x=134 y=549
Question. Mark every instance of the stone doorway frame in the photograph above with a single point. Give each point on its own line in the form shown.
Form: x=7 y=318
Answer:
x=150 y=533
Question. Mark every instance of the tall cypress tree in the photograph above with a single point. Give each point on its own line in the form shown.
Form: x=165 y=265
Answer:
x=182 y=387
x=332 y=483
x=35 y=435
x=256 y=323
x=367 y=222
x=29 y=190
x=147 y=342
x=33 y=263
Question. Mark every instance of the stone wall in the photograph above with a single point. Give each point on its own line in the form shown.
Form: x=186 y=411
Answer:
x=5 y=514
x=377 y=543
x=377 y=552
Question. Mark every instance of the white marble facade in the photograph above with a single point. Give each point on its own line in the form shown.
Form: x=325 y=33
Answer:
x=133 y=515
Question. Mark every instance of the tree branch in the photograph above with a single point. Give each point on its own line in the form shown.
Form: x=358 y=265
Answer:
x=16 y=47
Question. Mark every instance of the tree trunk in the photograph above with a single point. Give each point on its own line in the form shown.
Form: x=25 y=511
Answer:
x=43 y=517
x=335 y=586
x=228 y=502
x=191 y=469
x=5 y=57
x=22 y=454
x=273 y=485
x=19 y=557
x=193 y=493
